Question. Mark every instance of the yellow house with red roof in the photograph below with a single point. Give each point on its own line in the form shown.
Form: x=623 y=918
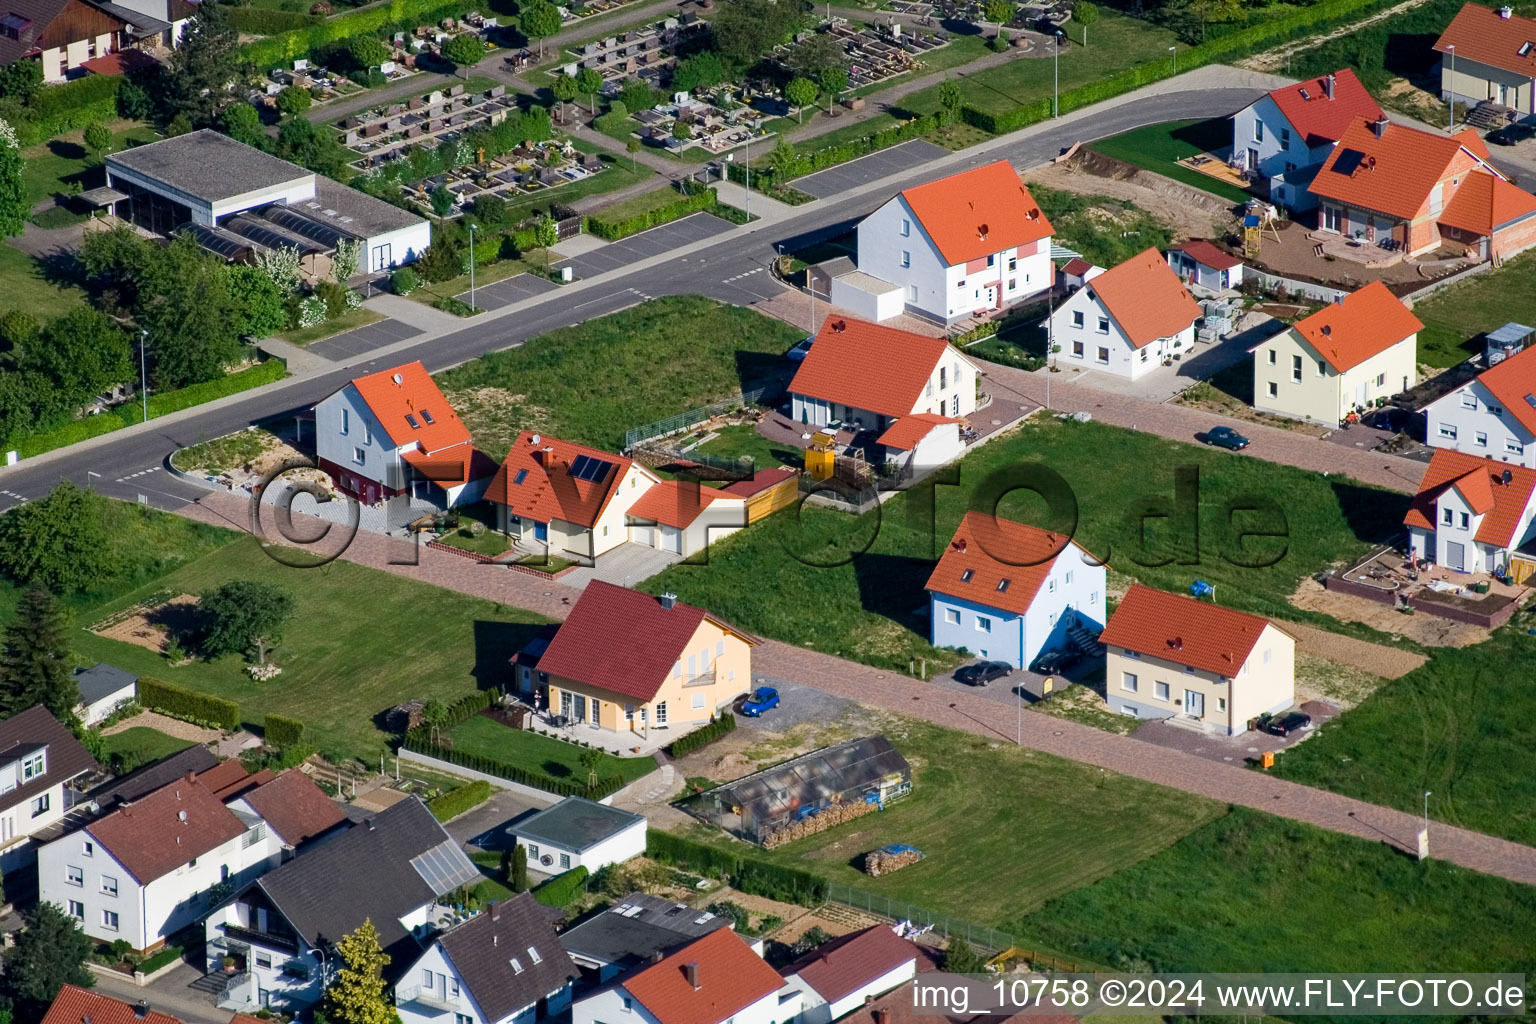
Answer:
x=1489 y=54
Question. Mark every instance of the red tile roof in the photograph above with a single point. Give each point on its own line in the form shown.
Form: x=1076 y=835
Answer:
x=415 y=395
x=730 y=978
x=1145 y=297
x=905 y=433
x=1076 y=266
x=857 y=363
x=1513 y=382
x=120 y=63
x=1484 y=202
x=761 y=481
x=166 y=829
x=294 y=807
x=844 y=965
x=674 y=503
x=453 y=467
x=1394 y=173
x=1478 y=33
x=1007 y=561
x=76 y=1005
x=535 y=481
x=1366 y=322
x=227 y=779
x=1183 y=630
x=1204 y=252
x=623 y=640
x=978 y=212
x=1320 y=119
x=1481 y=483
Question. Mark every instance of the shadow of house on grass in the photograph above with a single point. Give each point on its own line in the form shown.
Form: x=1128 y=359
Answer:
x=894 y=587
x=1373 y=516
x=495 y=643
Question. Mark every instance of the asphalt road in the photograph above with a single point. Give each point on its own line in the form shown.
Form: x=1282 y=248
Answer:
x=131 y=466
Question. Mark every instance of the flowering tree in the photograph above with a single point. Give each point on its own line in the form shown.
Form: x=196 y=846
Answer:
x=348 y=257
x=13 y=193
x=282 y=266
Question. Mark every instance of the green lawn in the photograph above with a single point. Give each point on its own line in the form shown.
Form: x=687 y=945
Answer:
x=734 y=442
x=645 y=202
x=536 y=753
x=619 y=172
x=1255 y=893
x=1159 y=147
x=352 y=318
x=1456 y=318
x=338 y=674
x=1106 y=230
x=872 y=608
x=141 y=745
x=55 y=165
x=673 y=354
x=487 y=541
x=1002 y=829
x=25 y=286
x=1459 y=727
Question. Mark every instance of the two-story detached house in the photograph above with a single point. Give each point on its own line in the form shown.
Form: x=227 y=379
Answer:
x=971 y=242
x=1341 y=359
x=1284 y=136
x=1493 y=415
x=1169 y=655
x=867 y=376
x=393 y=432
x=505 y=966
x=845 y=973
x=1421 y=190
x=627 y=661
x=717 y=979
x=1127 y=320
x=38 y=760
x=1007 y=591
x=1473 y=514
x=1488 y=54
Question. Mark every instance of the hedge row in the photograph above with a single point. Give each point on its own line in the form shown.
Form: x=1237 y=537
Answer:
x=282 y=732
x=455 y=802
x=749 y=874
x=701 y=737
x=259 y=21
x=188 y=705
x=167 y=954
x=285 y=46
x=32 y=130
x=561 y=890
x=612 y=230
x=513 y=772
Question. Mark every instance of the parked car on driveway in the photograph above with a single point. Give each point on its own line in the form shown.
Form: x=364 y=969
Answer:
x=1512 y=135
x=764 y=698
x=1284 y=725
x=1225 y=437
x=983 y=672
x=797 y=353
x=1055 y=662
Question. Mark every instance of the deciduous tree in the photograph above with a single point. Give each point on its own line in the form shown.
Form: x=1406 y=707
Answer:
x=589 y=81
x=243 y=614
x=564 y=89
x=82 y=352
x=20 y=80
x=1085 y=13
x=294 y=100
x=834 y=80
x=356 y=994
x=745 y=30
x=785 y=159
x=14 y=202
x=802 y=93
x=539 y=19
x=186 y=306
x=34 y=659
x=950 y=98
x=262 y=305
x=465 y=51
x=98 y=139
x=243 y=124
x=366 y=52
x=814 y=54
x=1000 y=11
x=59 y=542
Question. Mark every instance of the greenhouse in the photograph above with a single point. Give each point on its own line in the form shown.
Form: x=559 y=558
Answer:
x=808 y=793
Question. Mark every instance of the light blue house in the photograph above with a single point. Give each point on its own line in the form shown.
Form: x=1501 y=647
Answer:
x=1006 y=592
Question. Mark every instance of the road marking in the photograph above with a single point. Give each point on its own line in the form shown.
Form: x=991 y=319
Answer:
x=738 y=277
x=140 y=473
x=13 y=494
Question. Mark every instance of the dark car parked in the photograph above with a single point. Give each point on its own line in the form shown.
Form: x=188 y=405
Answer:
x=1284 y=725
x=1225 y=437
x=1512 y=135
x=983 y=672
x=1055 y=662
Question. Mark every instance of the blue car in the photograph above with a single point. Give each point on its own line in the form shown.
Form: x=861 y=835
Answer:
x=764 y=698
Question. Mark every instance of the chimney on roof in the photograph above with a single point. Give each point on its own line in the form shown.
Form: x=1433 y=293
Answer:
x=1379 y=126
x=369 y=823
x=668 y=600
x=495 y=910
x=656 y=956
x=839 y=326
x=190 y=777
x=1506 y=12
x=1177 y=643
x=141 y=1009
x=1328 y=80
x=691 y=972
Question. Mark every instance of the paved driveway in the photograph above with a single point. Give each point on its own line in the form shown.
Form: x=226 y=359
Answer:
x=513 y=289
x=619 y=255
x=798 y=705
x=1237 y=749
x=362 y=340
x=486 y=825
x=905 y=157
x=626 y=565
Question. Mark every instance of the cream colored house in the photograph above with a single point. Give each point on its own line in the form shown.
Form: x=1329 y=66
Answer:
x=1489 y=53
x=1342 y=359
x=627 y=661
x=1170 y=656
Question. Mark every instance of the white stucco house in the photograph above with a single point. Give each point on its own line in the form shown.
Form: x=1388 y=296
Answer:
x=922 y=442
x=1342 y=359
x=579 y=833
x=1472 y=514
x=972 y=242
x=1200 y=264
x=1127 y=320
x=1285 y=135
x=1491 y=416
x=867 y=376
x=1005 y=591
x=40 y=760
x=1215 y=668
x=841 y=975
x=716 y=979
x=504 y=966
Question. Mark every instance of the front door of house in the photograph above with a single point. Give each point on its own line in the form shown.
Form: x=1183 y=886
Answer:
x=994 y=296
x=1456 y=555
x=1253 y=160
x=541 y=531
x=1194 y=703
x=579 y=708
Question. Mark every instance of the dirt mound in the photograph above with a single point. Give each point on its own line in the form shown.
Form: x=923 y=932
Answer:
x=731 y=766
x=1090 y=161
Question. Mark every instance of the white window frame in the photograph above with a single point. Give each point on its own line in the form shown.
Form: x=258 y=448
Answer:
x=952 y=616
x=1129 y=682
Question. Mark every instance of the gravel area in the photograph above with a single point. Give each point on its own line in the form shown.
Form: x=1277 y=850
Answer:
x=798 y=705
x=170 y=726
x=1377 y=659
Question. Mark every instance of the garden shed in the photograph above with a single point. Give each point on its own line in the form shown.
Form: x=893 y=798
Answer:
x=867 y=771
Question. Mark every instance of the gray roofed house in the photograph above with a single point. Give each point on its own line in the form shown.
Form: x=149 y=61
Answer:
x=208 y=165
x=577 y=832
x=102 y=689
x=150 y=777
x=633 y=930
x=505 y=962
x=39 y=758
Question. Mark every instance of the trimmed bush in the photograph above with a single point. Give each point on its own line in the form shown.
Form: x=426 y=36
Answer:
x=169 y=954
x=807 y=163
x=516 y=773
x=726 y=723
x=749 y=874
x=188 y=705
x=612 y=230
x=259 y=21
x=455 y=802
x=563 y=889
x=402 y=15
x=282 y=732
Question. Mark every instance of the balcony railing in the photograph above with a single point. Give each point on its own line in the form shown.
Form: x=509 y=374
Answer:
x=424 y=996
x=286 y=943
x=702 y=679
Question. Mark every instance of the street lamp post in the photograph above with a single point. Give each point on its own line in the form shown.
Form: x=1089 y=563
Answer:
x=1056 y=78
x=747 y=172
x=1173 y=55
x=1452 y=101
x=143 y=374
x=472 y=266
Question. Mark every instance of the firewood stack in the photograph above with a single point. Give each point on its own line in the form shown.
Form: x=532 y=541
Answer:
x=878 y=862
x=818 y=822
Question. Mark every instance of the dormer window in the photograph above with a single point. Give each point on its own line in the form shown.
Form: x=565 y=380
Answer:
x=966 y=574
x=35 y=765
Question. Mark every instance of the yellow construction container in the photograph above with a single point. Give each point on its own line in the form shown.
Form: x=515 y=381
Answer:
x=820 y=455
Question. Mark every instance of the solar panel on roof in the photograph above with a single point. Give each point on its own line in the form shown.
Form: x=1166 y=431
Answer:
x=587 y=468
x=1348 y=161
x=444 y=867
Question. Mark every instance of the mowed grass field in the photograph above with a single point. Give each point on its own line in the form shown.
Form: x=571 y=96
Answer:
x=1003 y=829
x=1159 y=147
x=592 y=382
x=489 y=738
x=855 y=586
x=1251 y=892
x=1455 y=318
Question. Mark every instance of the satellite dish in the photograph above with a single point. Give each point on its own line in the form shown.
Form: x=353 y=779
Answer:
x=398 y=379
x=546 y=860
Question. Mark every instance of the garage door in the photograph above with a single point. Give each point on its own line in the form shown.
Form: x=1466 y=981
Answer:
x=672 y=539
x=643 y=535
